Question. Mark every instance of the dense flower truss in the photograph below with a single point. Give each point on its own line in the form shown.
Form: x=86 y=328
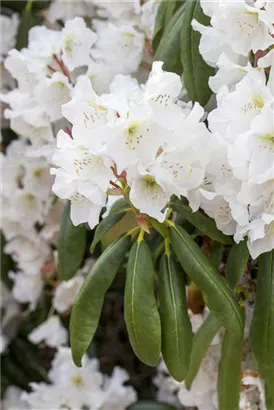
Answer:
x=46 y=71
x=74 y=388
x=239 y=187
x=30 y=218
x=141 y=134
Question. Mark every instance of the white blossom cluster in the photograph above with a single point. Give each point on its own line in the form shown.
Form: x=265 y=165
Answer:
x=203 y=393
x=142 y=133
x=238 y=191
x=46 y=71
x=30 y=219
x=74 y=388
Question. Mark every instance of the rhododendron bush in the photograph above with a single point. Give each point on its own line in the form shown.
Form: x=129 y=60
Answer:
x=137 y=204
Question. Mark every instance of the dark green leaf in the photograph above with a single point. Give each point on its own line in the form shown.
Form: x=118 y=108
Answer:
x=116 y=214
x=176 y=326
x=14 y=5
x=229 y=381
x=262 y=326
x=205 y=224
x=168 y=50
x=89 y=302
x=204 y=336
x=236 y=262
x=141 y=314
x=216 y=292
x=151 y=405
x=71 y=246
x=196 y=71
x=28 y=20
x=201 y=342
x=166 y=10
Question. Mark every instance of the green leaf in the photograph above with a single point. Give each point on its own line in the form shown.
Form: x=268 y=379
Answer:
x=262 y=326
x=236 y=262
x=117 y=212
x=216 y=292
x=89 y=302
x=176 y=326
x=71 y=246
x=196 y=71
x=151 y=405
x=205 y=224
x=168 y=50
x=205 y=334
x=140 y=310
x=166 y=10
x=28 y=20
x=201 y=342
x=17 y=6
x=229 y=381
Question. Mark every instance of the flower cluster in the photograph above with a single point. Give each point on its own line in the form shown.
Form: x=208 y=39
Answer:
x=238 y=191
x=71 y=387
x=48 y=68
x=30 y=218
x=138 y=138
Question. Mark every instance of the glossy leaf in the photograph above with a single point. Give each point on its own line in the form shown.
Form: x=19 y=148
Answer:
x=166 y=10
x=168 y=50
x=205 y=334
x=140 y=310
x=196 y=71
x=89 y=302
x=205 y=224
x=229 y=381
x=216 y=292
x=151 y=405
x=71 y=246
x=117 y=212
x=176 y=326
x=262 y=326
x=201 y=342
x=236 y=262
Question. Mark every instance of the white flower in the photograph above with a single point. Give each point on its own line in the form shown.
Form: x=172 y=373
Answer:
x=147 y=195
x=116 y=9
x=27 y=288
x=66 y=292
x=43 y=44
x=161 y=92
x=236 y=29
x=68 y=9
x=10 y=317
x=236 y=109
x=266 y=12
x=53 y=93
x=118 y=46
x=228 y=74
x=252 y=154
x=51 y=332
x=77 y=40
x=148 y=16
x=9 y=30
x=24 y=70
x=12 y=399
x=75 y=387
